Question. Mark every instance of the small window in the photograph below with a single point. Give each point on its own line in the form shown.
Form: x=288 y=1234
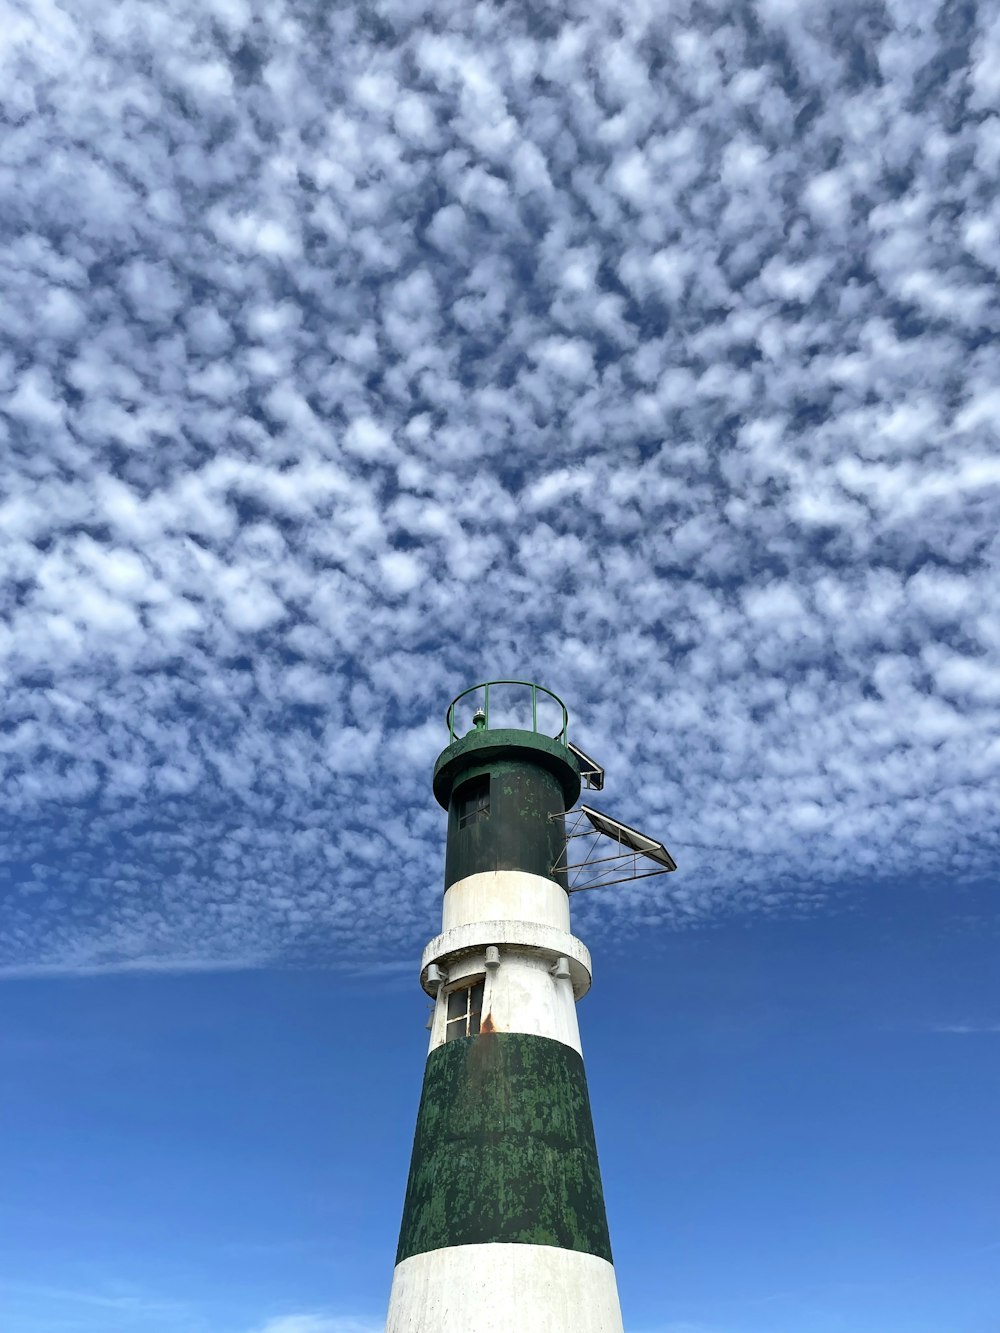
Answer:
x=472 y=801
x=465 y=1008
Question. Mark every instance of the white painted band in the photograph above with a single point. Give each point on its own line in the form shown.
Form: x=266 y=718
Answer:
x=505 y=895
x=502 y=1288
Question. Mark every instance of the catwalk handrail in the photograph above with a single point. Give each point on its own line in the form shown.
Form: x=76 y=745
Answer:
x=486 y=685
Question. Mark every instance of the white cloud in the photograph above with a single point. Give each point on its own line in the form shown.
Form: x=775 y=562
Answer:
x=967 y=1029
x=367 y=439
x=635 y=353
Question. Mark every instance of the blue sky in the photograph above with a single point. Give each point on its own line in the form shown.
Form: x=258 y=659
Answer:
x=354 y=353
x=796 y=1122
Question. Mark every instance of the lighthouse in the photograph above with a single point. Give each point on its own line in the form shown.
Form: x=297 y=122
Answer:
x=504 y=1225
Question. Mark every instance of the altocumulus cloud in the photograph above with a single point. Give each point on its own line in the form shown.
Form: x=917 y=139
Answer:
x=356 y=352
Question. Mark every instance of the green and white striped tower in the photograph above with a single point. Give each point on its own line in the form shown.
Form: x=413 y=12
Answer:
x=504 y=1228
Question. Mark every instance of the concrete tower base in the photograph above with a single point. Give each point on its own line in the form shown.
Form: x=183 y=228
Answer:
x=504 y=1289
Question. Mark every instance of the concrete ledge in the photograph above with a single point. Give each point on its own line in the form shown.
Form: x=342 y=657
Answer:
x=524 y=936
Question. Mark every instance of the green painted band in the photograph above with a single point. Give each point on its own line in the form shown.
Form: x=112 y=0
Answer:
x=526 y=829
x=504 y=1150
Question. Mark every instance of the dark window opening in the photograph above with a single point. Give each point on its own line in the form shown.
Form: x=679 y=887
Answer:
x=472 y=801
x=465 y=1008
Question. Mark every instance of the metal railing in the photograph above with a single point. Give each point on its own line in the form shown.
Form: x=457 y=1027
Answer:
x=486 y=686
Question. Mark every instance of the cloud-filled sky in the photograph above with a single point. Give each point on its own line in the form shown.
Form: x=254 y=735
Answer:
x=353 y=353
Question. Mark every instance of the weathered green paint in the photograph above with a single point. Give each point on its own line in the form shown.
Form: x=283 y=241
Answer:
x=533 y=781
x=482 y=748
x=525 y=829
x=504 y=1149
